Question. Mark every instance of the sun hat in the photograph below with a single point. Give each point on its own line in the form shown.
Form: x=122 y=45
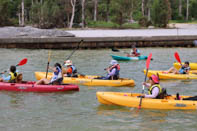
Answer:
x=155 y=78
x=68 y=63
x=113 y=62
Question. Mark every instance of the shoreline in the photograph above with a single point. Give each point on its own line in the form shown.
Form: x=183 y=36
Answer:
x=33 y=38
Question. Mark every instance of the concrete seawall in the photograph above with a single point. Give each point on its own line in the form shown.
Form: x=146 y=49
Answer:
x=97 y=42
x=33 y=38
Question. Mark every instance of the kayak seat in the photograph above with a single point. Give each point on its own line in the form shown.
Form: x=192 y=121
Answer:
x=163 y=94
x=57 y=82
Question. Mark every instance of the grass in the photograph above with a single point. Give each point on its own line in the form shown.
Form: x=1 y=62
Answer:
x=103 y=24
x=184 y=21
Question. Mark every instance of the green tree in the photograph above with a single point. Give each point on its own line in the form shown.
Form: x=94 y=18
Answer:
x=161 y=13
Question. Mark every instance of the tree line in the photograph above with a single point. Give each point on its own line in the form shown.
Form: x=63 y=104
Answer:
x=82 y=13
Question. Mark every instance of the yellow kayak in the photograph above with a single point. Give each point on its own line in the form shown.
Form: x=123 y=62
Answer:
x=193 y=66
x=131 y=100
x=163 y=75
x=89 y=80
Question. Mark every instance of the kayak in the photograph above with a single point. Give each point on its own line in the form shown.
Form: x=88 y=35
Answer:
x=131 y=100
x=31 y=87
x=163 y=75
x=125 y=58
x=193 y=66
x=89 y=80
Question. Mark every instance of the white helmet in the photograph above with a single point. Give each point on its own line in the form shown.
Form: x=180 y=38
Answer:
x=113 y=62
x=68 y=63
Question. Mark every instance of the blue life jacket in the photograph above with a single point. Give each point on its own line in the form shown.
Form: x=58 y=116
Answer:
x=138 y=51
x=56 y=75
x=74 y=71
x=183 y=70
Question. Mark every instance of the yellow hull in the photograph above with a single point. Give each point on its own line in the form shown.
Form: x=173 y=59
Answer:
x=89 y=80
x=131 y=100
x=170 y=75
x=193 y=66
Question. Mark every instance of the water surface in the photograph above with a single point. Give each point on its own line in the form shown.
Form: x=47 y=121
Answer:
x=74 y=111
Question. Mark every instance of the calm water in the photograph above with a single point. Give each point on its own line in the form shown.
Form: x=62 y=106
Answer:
x=76 y=111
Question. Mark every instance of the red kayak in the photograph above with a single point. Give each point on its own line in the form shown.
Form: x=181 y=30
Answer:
x=30 y=87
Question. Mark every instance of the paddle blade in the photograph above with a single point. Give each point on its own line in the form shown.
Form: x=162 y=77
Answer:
x=148 y=61
x=22 y=62
x=115 y=50
x=176 y=55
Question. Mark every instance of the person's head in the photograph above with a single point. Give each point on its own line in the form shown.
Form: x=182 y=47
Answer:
x=154 y=79
x=13 y=69
x=113 y=62
x=58 y=65
x=68 y=63
x=186 y=64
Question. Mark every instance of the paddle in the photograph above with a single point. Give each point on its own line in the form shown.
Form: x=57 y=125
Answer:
x=116 y=50
x=73 y=53
x=22 y=62
x=176 y=55
x=147 y=67
x=74 y=50
x=49 y=56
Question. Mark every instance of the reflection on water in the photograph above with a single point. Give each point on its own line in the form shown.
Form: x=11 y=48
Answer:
x=81 y=110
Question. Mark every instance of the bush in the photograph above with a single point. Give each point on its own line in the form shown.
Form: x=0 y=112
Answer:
x=102 y=24
x=143 y=21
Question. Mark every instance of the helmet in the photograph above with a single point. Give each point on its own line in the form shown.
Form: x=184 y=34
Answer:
x=68 y=63
x=113 y=62
x=155 y=78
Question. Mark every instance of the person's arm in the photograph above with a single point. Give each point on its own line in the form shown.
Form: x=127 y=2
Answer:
x=146 y=84
x=111 y=73
x=154 y=94
x=6 y=78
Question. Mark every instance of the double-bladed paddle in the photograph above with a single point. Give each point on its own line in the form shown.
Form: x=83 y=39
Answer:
x=74 y=50
x=22 y=62
x=147 y=67
x=116 y=50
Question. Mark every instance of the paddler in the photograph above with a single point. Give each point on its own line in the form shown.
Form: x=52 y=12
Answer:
x=134 y=52
x=12 y=77
x=56 y=78
x=112 y=71
x=183 y=70
x=154 y=88
x=71 y=70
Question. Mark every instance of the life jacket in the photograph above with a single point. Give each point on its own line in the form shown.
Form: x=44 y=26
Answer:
x=152 y=87
x=116 y=75
x=74 y=71
x=56 y=75
x=183 y=70
x=13 y=78
x=137 y=53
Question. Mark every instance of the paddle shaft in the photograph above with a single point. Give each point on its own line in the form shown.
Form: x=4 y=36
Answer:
x=49 y=57
x=74 y=50
x=143 y=89
x=147 y=67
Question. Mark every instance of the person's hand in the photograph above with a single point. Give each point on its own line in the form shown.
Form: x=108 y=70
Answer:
x=144 y=83
x=141 y=96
